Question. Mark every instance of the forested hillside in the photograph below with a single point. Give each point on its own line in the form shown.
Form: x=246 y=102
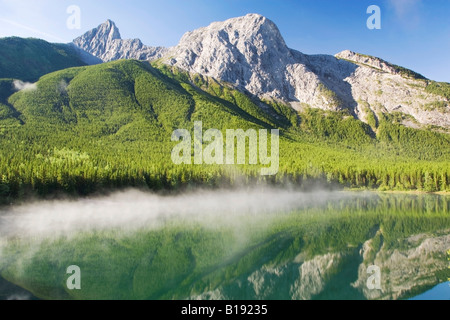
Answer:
x=29 y=59
x=106 y=126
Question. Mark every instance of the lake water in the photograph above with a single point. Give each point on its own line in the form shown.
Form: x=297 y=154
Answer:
x=439 y=292
x=258 y=243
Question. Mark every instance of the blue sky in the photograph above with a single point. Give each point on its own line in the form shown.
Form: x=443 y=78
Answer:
x=414 y=33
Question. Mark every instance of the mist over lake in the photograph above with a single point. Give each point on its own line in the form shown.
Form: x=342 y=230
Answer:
x=250 y=243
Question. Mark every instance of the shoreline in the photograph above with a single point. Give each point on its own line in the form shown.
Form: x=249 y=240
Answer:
x=442 y=193
x=107 y=192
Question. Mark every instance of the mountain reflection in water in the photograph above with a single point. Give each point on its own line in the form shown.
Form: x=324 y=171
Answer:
x=245 y=244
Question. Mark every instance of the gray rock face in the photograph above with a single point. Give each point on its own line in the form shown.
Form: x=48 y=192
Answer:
x=105 y=43
x=250 y=53
x=247 y=51
x=378 y=86
x=413 y=266
x=402 y=271
x=373 y=62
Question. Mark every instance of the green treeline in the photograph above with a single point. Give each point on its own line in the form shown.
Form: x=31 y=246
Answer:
x=107 y=126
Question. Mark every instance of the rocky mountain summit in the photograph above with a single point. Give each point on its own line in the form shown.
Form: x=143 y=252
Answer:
x=105 y=42
x=250 y=53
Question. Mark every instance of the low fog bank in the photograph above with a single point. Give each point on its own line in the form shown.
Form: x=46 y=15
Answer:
x=134 y=209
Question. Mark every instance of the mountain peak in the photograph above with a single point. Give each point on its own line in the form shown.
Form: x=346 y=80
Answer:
x=108 y=29
x=109 y=22
x=257 y=21
x=105 y=42
x=98 y=40
x=254 y=29
x=253 y=18
x=247 y=51
x=249 y=27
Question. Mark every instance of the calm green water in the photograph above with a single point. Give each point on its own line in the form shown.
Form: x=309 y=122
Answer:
x=246 y=244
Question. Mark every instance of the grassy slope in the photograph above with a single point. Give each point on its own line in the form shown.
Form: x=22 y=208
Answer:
x=110 y=125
